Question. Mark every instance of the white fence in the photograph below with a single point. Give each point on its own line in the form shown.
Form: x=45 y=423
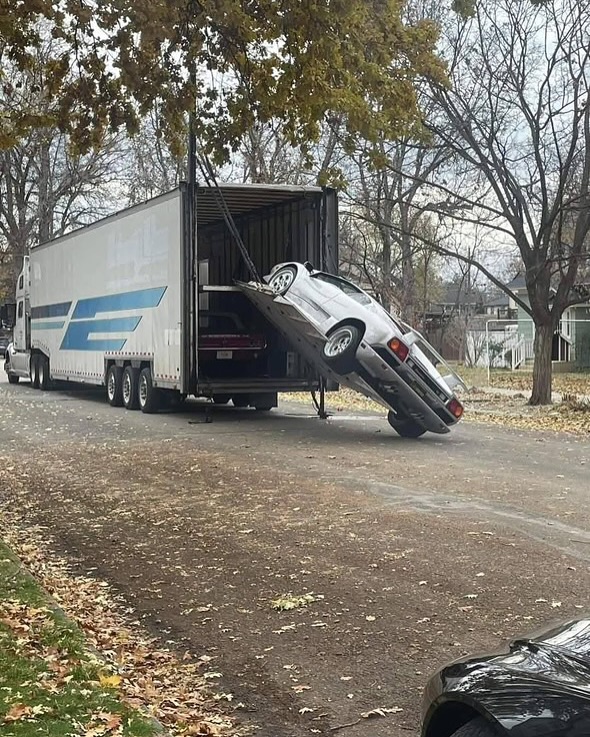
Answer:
x=503 y=344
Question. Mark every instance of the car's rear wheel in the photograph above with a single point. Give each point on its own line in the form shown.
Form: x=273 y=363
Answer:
x=476 y=728
x=404 y=426
x=281 y=280
x=340 y=348
x=13 y=378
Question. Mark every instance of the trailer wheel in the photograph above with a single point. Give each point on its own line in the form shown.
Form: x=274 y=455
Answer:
x=130 y=382
x=115 y=386
x=34 y=369
x=148 y=396
x=221 y=398
x=43 y=372
x=241 y=400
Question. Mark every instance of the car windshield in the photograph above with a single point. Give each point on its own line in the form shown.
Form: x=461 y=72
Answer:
x=345 y=286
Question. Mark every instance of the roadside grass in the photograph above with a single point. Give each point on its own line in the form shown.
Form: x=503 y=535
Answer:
x=522 y=379
x=50 y=684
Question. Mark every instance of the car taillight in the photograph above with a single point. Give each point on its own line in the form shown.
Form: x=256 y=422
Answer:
x=400 y=349
x=455 y=408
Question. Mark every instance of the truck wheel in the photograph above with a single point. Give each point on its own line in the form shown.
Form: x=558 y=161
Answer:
x=43 y=372
x=34 y=369
x=13 y=378
x=148 y=395
x=115 y=386
x=241 y=400
x=130 y=382
x=340 y=348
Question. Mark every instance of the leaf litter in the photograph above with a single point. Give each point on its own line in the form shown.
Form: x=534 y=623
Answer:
x=162 y=684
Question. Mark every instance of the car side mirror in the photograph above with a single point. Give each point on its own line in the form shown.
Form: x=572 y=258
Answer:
x=308 y=266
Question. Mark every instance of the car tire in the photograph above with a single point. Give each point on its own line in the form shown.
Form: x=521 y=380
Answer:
x=405 y=427
x=280 y=282
x=34 y=369
x=147 y=394
x=13 y=378
x=476 y=728
x=339 y=350
x=115 y=386
x=130 y=382
x=43 y=373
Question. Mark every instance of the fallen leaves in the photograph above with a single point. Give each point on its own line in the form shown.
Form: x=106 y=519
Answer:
x=125 y=660
x=290 y=601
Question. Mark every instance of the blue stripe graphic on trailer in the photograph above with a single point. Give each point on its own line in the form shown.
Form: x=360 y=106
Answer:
x=77 y=337
x=47 y=325
x=118 y=302
x=55 y=310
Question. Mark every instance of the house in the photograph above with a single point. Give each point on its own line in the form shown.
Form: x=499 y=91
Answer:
x=571 y=342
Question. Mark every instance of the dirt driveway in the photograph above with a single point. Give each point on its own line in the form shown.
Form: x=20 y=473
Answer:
x=414 y=552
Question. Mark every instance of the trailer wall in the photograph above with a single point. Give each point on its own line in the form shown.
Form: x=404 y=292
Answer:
x=112 y=290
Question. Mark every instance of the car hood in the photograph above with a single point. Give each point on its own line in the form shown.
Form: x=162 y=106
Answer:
x=555 y=660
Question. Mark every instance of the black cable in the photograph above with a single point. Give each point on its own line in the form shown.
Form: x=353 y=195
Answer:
x=211 y=180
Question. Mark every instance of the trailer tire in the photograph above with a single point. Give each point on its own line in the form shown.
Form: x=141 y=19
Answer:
x=43 y=372
x=34 y=368
x=241 y=400
x=149 y=396
x=13 y=378
x=130 y=382
x=221 y=398
x=115 y=386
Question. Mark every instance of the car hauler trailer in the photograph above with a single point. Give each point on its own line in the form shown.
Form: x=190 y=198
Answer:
x=138 y=303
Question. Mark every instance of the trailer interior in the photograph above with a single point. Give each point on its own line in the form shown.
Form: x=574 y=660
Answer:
x=240 y=355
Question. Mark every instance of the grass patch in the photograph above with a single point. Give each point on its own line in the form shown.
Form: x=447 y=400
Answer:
x=50 y=684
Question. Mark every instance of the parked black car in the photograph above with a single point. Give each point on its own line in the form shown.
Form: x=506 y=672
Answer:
x=539 y=686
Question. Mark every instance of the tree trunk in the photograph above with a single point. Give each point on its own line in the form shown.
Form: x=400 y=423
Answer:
x=542 y=368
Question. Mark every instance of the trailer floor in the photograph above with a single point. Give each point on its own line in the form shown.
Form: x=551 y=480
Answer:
x=201 y=526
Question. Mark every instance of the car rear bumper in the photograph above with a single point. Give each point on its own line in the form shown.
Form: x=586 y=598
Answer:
x=399 y=387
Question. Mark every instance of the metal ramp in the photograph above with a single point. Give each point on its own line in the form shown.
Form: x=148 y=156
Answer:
x=305 y=338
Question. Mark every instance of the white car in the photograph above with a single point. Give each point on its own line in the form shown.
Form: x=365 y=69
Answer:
x=373 y=352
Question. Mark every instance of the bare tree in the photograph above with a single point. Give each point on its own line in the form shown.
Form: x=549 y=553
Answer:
x=46 y=186
x=518 y=116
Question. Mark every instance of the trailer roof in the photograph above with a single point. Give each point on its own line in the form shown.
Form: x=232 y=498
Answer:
x=242 y=198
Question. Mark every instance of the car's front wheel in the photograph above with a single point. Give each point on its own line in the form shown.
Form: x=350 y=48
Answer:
x=476 y=728
x=281 y=280
x=340 y=348
x=404 y=426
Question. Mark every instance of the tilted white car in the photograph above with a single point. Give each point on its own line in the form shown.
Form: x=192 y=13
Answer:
x=373 y=352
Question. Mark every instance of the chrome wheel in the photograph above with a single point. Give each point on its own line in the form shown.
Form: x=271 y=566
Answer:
x=111 y=386
x=282 y=280
x=339 y=342
x=127 y=388
x=143 y=390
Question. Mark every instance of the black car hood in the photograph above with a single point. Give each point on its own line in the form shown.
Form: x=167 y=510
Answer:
x=538 y=685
